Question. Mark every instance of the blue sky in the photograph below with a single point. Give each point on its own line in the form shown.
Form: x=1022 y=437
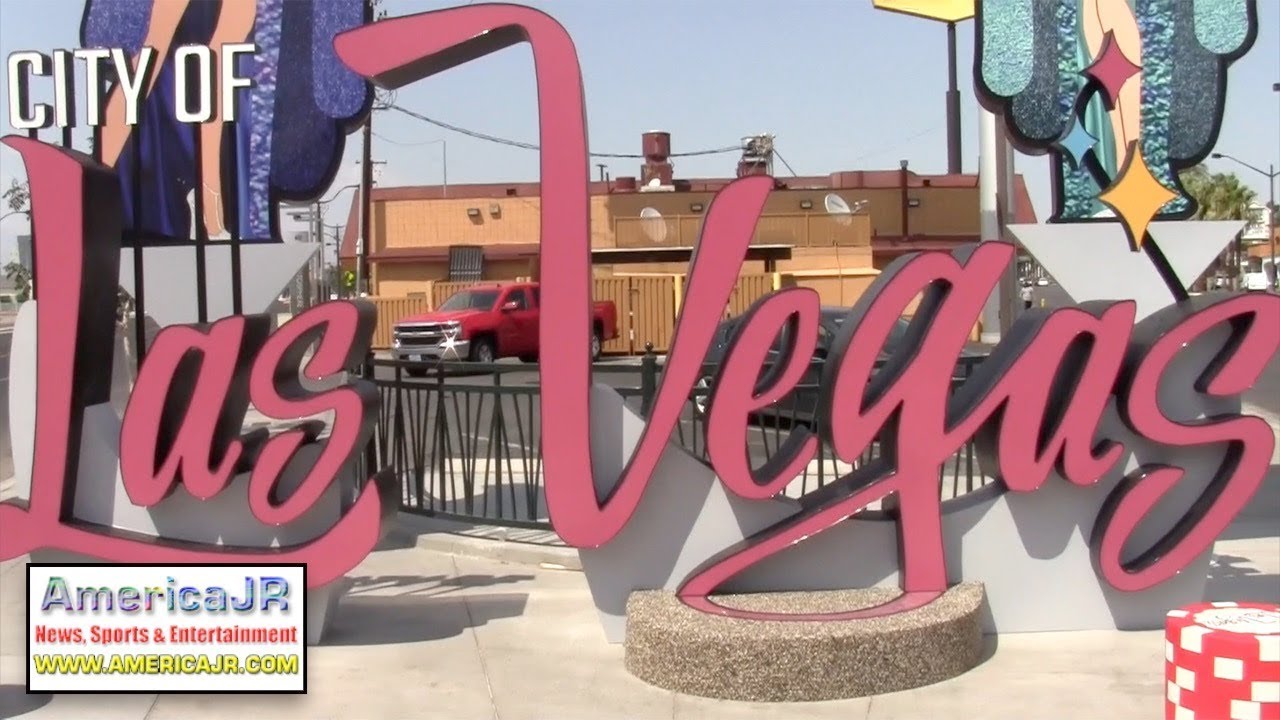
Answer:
x=841 y=85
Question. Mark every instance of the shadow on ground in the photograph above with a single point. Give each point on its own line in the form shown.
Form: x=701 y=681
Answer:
x=15 y=701
x=990 y=644
x=390 y=609
x=425 y=585
x=388 y=620
x=1231 y=579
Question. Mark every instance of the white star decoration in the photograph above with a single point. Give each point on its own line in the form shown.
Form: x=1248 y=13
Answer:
x=450 y=344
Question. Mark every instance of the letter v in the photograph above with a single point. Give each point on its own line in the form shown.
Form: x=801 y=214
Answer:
x=402 y=50
x=578 y=516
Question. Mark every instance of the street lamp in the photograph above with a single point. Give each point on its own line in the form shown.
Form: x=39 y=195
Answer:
x=949 y=12
x=1272 y=210
x=338 y=192
x=313 y=216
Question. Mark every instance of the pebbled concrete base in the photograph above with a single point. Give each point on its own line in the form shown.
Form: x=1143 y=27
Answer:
x=675 y=647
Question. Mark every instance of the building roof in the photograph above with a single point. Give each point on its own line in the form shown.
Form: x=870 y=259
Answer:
x=844 y=180
x=509 y=251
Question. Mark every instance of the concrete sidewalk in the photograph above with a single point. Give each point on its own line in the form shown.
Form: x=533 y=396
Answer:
x=427 y=635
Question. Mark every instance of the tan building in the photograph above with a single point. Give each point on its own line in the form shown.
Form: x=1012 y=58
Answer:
x=837 y=227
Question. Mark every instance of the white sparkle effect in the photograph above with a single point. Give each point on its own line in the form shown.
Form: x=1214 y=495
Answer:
x=450 y=344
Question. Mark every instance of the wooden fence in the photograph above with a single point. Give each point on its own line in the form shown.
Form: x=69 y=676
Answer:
x=650 y=312
x=749 y=289
x=441 y=290
x=392 y=310
x=646 y=306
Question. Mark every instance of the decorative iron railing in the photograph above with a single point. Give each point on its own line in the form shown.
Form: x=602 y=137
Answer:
x=465 y=438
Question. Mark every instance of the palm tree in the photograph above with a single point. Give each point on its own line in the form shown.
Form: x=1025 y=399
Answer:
x=20 y=276
x=1220 y=196
x=16 y=198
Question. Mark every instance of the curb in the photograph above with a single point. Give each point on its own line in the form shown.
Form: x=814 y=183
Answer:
x=483 y=542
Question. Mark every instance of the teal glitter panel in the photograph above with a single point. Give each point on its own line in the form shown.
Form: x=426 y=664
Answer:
x=1028 y=69
x=1198 y=94
x=1065 y=28
x=1077 y=190
x=1007 y=50
x=1222 y=26
x=1156 y=21
x=1017 y=69
x=1042 y=112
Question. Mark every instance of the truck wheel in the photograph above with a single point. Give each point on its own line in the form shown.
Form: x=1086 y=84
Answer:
x=482 y=350
x=596 y=343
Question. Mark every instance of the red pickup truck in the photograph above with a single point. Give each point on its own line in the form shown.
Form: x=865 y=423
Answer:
x=487 y=322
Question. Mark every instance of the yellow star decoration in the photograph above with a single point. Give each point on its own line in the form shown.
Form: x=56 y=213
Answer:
x=1136 y=196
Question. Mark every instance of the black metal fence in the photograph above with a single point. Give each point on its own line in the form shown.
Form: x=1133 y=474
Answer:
x=466 y=438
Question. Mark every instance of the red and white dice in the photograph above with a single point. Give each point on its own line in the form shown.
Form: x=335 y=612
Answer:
x=1222 y=662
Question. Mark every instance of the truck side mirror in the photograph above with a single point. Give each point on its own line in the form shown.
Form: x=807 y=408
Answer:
x=510 y=306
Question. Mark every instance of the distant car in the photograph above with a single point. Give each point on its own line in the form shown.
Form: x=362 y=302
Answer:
x=800 y=405
x=1042 y=281
x=485 y=323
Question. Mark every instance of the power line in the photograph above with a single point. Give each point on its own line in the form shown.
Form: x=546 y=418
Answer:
x=896 y=145
x=401 y=142
x=531 y=146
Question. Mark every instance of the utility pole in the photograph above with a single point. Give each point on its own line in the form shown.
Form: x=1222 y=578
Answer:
x=366 y=192
x=954 y=166
x=949 y=13
x=366 y=198
x=317 y=234
x=333 y=273
x=1275 y=210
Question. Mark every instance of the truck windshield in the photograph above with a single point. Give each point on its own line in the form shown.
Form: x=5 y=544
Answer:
x=471 y=300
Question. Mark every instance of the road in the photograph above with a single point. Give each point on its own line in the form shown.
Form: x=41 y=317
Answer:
x=1265 y=394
